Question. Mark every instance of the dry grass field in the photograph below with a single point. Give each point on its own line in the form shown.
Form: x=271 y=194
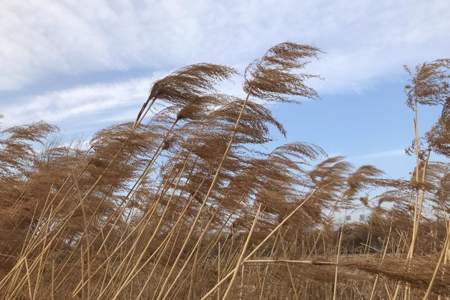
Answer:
x=183 y=203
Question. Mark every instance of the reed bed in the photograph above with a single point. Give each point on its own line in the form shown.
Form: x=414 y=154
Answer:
x=183 y=203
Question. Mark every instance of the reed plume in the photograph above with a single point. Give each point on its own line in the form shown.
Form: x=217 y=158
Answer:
x=193 y=201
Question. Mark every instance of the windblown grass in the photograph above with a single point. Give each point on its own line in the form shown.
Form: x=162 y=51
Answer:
x=183 y=204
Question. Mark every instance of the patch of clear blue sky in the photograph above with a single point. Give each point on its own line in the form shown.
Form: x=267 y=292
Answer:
x=368 y=127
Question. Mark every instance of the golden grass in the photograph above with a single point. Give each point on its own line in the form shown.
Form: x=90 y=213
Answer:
x=183 y=204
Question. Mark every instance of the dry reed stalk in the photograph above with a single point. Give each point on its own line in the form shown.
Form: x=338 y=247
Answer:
x=215 y=178
x=147 y=216
x=133 y=247
x=241 y=256
x=137 y=183
x=291 y=278
x=138 y=228
x=337 y=263
x=290 y=261
x=241 y=288
x=156 y=264
x=218 y=269
x=372 y=293
x=88 y=234
x=272 y=232
x=199 y=240
x=144 y=110
x=438 y=264
x=166 y=239
x=266 y=268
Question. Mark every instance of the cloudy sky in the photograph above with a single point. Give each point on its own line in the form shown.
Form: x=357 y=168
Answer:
x=86 y=64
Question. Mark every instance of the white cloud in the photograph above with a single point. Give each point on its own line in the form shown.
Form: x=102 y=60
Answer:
x=81 y=103
x=363 y=40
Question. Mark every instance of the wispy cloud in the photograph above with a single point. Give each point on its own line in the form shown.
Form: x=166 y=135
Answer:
x=363 y=40
x=49 y=43
x=82 y=103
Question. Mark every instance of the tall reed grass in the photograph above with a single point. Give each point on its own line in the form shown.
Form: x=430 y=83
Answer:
x=182 y=203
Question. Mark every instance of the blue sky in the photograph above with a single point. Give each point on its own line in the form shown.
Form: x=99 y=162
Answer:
x=84 y=65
